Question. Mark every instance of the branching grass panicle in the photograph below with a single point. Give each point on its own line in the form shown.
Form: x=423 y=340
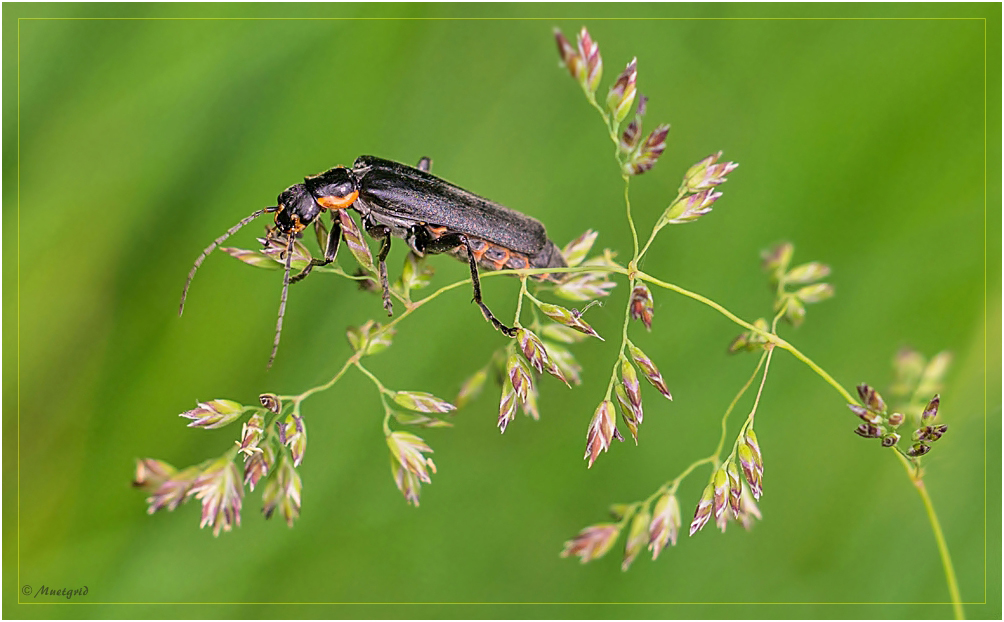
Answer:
x=272 y=443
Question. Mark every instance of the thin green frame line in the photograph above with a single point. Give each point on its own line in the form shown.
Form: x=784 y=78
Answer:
x=985 y=298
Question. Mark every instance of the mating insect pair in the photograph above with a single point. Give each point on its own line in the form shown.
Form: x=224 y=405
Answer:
x=395 y=200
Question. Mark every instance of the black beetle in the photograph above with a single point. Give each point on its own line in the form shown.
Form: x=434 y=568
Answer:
x=395 y=200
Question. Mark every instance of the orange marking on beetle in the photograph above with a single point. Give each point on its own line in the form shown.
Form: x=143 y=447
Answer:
x=338 y=202
x=436 y=231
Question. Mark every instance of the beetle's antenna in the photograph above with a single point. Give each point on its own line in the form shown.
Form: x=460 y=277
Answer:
x=282 y=299
x=212 y=247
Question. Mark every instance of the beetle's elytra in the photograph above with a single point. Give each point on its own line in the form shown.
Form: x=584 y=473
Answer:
x=395 y=200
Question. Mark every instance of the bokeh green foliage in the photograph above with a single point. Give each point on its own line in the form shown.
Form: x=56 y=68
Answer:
x=140 y=141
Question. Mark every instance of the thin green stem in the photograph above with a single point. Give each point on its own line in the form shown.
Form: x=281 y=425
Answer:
x=674 y=483
x=620 y=354
x=298 y=399
x=519 y=301
x=384 y=392
x=363 y=277
x=732 y=405
x=358 y=355
x=779 y=315
x=939 y=537
x=331 y=269
x=627 y=207
x=612 y=381
x=715 y=458
x=533 y=298
x=651 y=237
x=535 y=323
x=690 y=469
x=379 y=385
x=631 y=284
x=763 y=381
x=702 y=299
x=652 y=497
x=778 y=341
x=657 y=229
x=629 y=513
x=624 y=342
x=784 y=345
x=606 y=121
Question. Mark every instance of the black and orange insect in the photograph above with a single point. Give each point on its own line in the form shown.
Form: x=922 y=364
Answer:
x=395 y=200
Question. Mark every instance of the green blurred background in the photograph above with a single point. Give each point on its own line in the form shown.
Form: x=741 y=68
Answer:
x=862 y=141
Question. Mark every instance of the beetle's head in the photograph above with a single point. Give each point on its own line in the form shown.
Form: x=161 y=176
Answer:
x=297 y=209
x=333 y=189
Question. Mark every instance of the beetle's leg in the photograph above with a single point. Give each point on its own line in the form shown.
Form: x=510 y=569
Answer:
x=450 y=241
x=334 y=236
x=425 y=164
x=382 y=266
x=418 y=239
x=511 y=332
x=282 y=300
x=382 y=233
x=330 y=250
